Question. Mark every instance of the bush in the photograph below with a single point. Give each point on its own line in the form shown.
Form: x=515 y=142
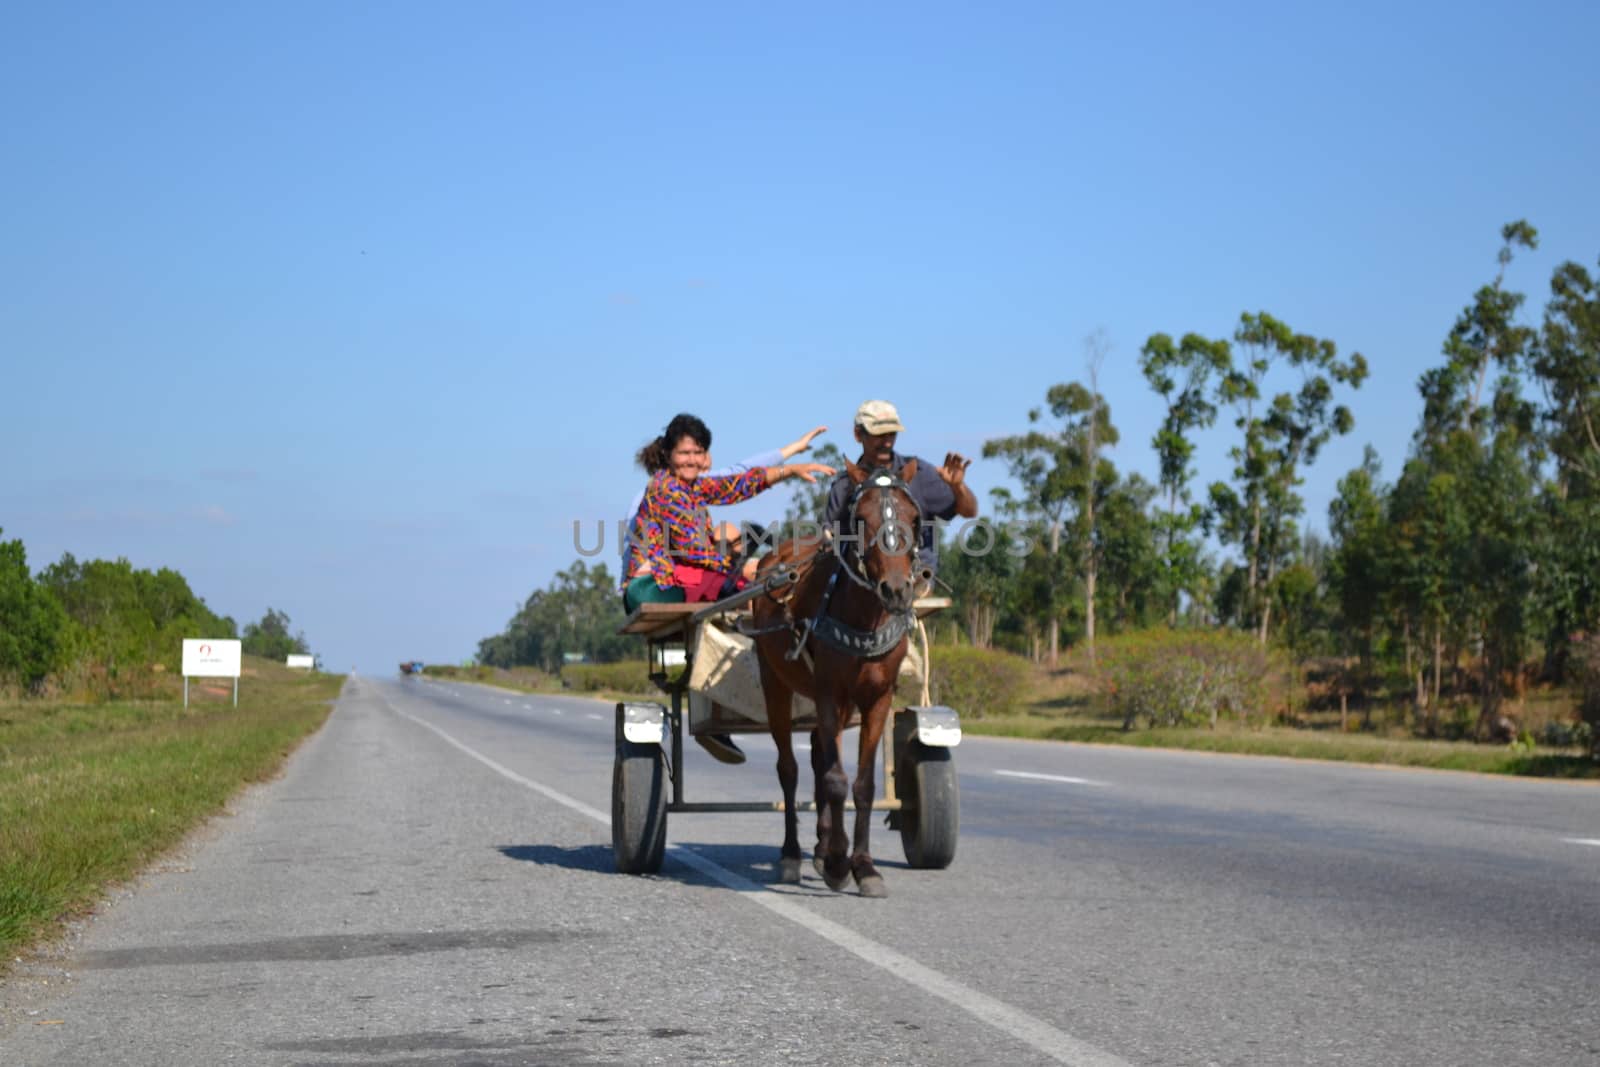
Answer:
x=626 y=676
x=1186 y=677
x=1587 y=655
x=466 y=673
x=34 y=634
x=977 y=681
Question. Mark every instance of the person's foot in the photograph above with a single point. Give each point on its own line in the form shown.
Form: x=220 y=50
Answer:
x=721 y=747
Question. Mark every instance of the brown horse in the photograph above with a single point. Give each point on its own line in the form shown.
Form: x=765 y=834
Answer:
x=837 y=636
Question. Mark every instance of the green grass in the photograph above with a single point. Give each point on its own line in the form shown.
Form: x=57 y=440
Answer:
x=1294 y=742
x=89 y=794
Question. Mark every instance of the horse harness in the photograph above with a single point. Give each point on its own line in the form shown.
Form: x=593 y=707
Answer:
x=865 y=644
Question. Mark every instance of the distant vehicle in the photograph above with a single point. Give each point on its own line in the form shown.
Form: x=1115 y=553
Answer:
x=411 y=666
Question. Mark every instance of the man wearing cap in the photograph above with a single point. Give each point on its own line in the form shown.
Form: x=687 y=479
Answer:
x=940 y=492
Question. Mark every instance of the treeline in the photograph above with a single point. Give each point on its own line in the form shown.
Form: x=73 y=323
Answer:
x=103 y=628
x=1473 y=573
x=578 y=615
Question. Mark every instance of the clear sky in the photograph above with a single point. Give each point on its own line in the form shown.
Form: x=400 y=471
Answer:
x=352 y=309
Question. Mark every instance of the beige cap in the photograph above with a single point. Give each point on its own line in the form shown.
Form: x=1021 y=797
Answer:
x=878 y=417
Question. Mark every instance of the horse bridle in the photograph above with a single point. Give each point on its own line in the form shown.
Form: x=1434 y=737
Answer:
x=823 y=626
x=885 y=482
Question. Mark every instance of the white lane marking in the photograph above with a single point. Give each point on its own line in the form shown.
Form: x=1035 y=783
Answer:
x=598 y=718
x=508 y=702
x=543 y=790
x=527 y=707
x=1057 y=1044
x=1050 y=777
x=557 y=711
x=1582 y=841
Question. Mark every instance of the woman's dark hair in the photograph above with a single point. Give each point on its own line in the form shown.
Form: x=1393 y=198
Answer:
x=657 y=455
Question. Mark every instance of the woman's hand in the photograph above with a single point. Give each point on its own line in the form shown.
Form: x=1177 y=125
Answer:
x=804 y=471
x=803 y=444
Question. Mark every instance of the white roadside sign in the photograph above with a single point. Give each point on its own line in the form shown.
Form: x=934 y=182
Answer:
x=207 y=658
x=305 y=662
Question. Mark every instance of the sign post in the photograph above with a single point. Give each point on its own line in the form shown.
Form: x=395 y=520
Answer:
x=206 y=658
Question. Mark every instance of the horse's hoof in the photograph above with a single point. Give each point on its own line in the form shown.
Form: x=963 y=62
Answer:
x=789 y=870
x=836 y=884
x=872 y=886
x=816 y=862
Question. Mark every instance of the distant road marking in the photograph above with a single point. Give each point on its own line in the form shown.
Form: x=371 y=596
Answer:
x=508 y=702
x=557 y=711
x=597 y=718
x=1057 y=1044
x=1050 y=777
x=527 y=707
x=1582 y=841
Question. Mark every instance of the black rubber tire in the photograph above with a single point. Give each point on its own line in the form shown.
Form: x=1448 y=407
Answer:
x=639 y=808
x=929 y=830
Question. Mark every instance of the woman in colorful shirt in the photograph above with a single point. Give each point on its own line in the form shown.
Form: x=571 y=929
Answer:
x=653 y=458
x=674 y=529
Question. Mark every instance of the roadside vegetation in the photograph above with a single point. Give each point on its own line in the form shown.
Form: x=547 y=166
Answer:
x=1450 y=616
x=92 y=792
x=101 y=766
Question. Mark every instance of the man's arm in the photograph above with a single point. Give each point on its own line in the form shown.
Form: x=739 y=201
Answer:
x=954 y=475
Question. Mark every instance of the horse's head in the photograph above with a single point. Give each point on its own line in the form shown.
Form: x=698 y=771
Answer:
x=888 y=527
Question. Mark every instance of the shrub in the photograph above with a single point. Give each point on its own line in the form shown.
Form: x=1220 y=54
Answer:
x=1587 y=654
x=1186 y=677
x=626 y=676
x=469 y=672
x=977 y=681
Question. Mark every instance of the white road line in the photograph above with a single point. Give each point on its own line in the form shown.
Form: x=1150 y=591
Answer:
x=557 y=711
x=527 y=707
x=1050 y=777
x=543 y=790
x=1582 y=841
x=598 y=718
x=1057 y=1044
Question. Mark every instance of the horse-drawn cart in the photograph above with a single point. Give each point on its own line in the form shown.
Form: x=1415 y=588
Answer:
x=707 y=667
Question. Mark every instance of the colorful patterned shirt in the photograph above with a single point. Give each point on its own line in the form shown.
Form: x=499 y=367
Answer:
x=674 y=526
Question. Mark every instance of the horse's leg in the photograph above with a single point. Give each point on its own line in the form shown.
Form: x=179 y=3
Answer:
x=832 y=789
x=780 y=721
x=818 y=772
x=865 y=791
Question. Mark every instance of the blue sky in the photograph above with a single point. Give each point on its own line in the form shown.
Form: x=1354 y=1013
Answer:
x=351 y=310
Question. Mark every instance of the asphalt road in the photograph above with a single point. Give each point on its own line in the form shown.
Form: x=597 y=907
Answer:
x=430 y=883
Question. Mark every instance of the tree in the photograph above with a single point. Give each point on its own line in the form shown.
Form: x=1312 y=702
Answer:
x=1129 y=554
x=270 y=638
x=1181 y=373
x=1467 y=494
x=1058 y=477
x=1279 y=439
x=33 y=628
x=1357 y=575
x=1565 y=362
x=981 y=572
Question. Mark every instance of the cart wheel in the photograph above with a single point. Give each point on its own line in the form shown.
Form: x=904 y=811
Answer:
x=638 y=808
x=928 y=831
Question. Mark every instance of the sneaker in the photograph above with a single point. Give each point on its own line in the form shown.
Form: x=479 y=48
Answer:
x=721 y=747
